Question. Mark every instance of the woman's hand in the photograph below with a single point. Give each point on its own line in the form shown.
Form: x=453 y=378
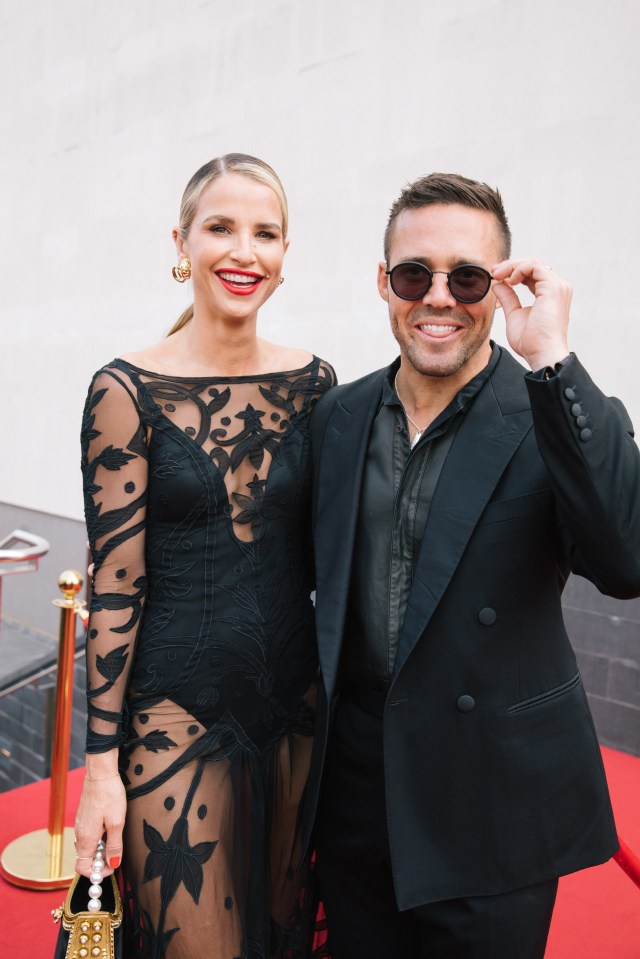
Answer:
x=101 y=813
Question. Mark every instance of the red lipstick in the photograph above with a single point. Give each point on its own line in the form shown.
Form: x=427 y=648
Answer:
x=239 y=282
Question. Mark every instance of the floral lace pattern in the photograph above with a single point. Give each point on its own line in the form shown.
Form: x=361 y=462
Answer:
x=201 y=656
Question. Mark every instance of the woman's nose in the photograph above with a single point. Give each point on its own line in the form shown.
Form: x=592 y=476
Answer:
x=243 y=249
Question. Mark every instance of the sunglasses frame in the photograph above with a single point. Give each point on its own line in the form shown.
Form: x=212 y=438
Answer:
x=431 y=273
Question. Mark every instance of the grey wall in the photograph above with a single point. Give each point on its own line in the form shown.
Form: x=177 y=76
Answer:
x=24 y=725
x=605 y=633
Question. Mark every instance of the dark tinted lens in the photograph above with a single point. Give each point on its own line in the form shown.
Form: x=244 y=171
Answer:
x=410 y=281
x=469 y=284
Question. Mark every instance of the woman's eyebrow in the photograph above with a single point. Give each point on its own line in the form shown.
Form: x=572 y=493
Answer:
x=221 y=218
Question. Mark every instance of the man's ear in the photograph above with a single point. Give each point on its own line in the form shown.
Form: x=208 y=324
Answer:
x=383 y=282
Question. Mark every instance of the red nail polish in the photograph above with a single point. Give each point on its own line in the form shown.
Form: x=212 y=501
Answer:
x=114 y=862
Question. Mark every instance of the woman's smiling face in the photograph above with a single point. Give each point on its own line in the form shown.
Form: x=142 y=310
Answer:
x=236 y=246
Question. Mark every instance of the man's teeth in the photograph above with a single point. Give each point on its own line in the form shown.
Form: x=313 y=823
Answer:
x=239 y=278
x=437 y=326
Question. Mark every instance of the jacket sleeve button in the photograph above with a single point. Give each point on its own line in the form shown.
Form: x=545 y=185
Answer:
x=570 y=394
x=585 y=435
x=581 y=421
x=576 y=409
x=466 y=703
x=487 y=616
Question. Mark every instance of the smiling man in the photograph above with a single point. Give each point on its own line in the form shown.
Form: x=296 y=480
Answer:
x=454 y=493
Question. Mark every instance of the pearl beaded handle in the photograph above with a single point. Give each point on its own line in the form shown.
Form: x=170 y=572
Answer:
x=95 y=889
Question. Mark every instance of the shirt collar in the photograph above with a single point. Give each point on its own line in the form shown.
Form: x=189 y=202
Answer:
x=462 y=398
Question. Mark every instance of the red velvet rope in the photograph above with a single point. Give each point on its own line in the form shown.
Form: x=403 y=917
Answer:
x=628 y=861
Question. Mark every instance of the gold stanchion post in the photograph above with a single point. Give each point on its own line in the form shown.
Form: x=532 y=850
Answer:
x=45 y=859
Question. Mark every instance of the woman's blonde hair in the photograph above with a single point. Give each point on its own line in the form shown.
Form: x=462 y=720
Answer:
x=229 y=163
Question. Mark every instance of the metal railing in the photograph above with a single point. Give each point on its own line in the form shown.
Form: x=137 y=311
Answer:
x=20 y=552
x=22 y=547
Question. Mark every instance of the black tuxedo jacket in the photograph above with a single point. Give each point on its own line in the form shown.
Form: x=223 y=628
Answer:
x=493 y=773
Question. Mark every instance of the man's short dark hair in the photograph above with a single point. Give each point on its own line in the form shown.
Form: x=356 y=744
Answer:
x=449 y=188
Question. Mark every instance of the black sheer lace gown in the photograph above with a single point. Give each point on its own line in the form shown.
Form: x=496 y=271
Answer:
x=201 y=654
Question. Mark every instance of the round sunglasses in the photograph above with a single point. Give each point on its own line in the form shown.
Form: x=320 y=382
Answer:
x=412 y=280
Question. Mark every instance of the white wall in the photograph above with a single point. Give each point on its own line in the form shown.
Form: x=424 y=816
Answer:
x=108 y=107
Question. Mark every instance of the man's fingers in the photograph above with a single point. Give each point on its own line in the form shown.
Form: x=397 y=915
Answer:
x=506 y=297
x=529 y=272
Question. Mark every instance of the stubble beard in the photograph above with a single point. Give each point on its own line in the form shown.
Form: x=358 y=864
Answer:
x=437 y=360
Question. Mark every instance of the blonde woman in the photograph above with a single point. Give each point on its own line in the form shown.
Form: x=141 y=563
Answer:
x=201 y=653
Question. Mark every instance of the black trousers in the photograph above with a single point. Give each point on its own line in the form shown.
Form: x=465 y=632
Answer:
x=356 y=885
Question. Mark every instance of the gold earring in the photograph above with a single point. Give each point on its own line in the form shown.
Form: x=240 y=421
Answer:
x=281 y=281
x=182 y=271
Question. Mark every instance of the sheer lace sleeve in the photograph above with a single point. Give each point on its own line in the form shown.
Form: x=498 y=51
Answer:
x=114 y=466
x=328 y=374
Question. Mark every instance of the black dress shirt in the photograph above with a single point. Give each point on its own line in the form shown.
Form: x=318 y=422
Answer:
x=397 y=490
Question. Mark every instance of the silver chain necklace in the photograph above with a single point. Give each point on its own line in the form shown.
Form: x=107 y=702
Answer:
x=419 y=431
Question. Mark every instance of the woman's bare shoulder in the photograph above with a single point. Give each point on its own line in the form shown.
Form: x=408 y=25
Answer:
x=157 y=358
x=283 y=358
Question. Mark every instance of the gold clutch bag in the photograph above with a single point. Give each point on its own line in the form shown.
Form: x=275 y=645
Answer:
x=90 y=933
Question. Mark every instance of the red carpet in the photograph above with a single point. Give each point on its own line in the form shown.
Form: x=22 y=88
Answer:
x=26 y=926
x=597 y=915
x=598 y=910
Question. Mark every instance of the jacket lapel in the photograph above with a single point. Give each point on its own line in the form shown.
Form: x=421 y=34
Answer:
x=339 y=478
x=491 y=432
